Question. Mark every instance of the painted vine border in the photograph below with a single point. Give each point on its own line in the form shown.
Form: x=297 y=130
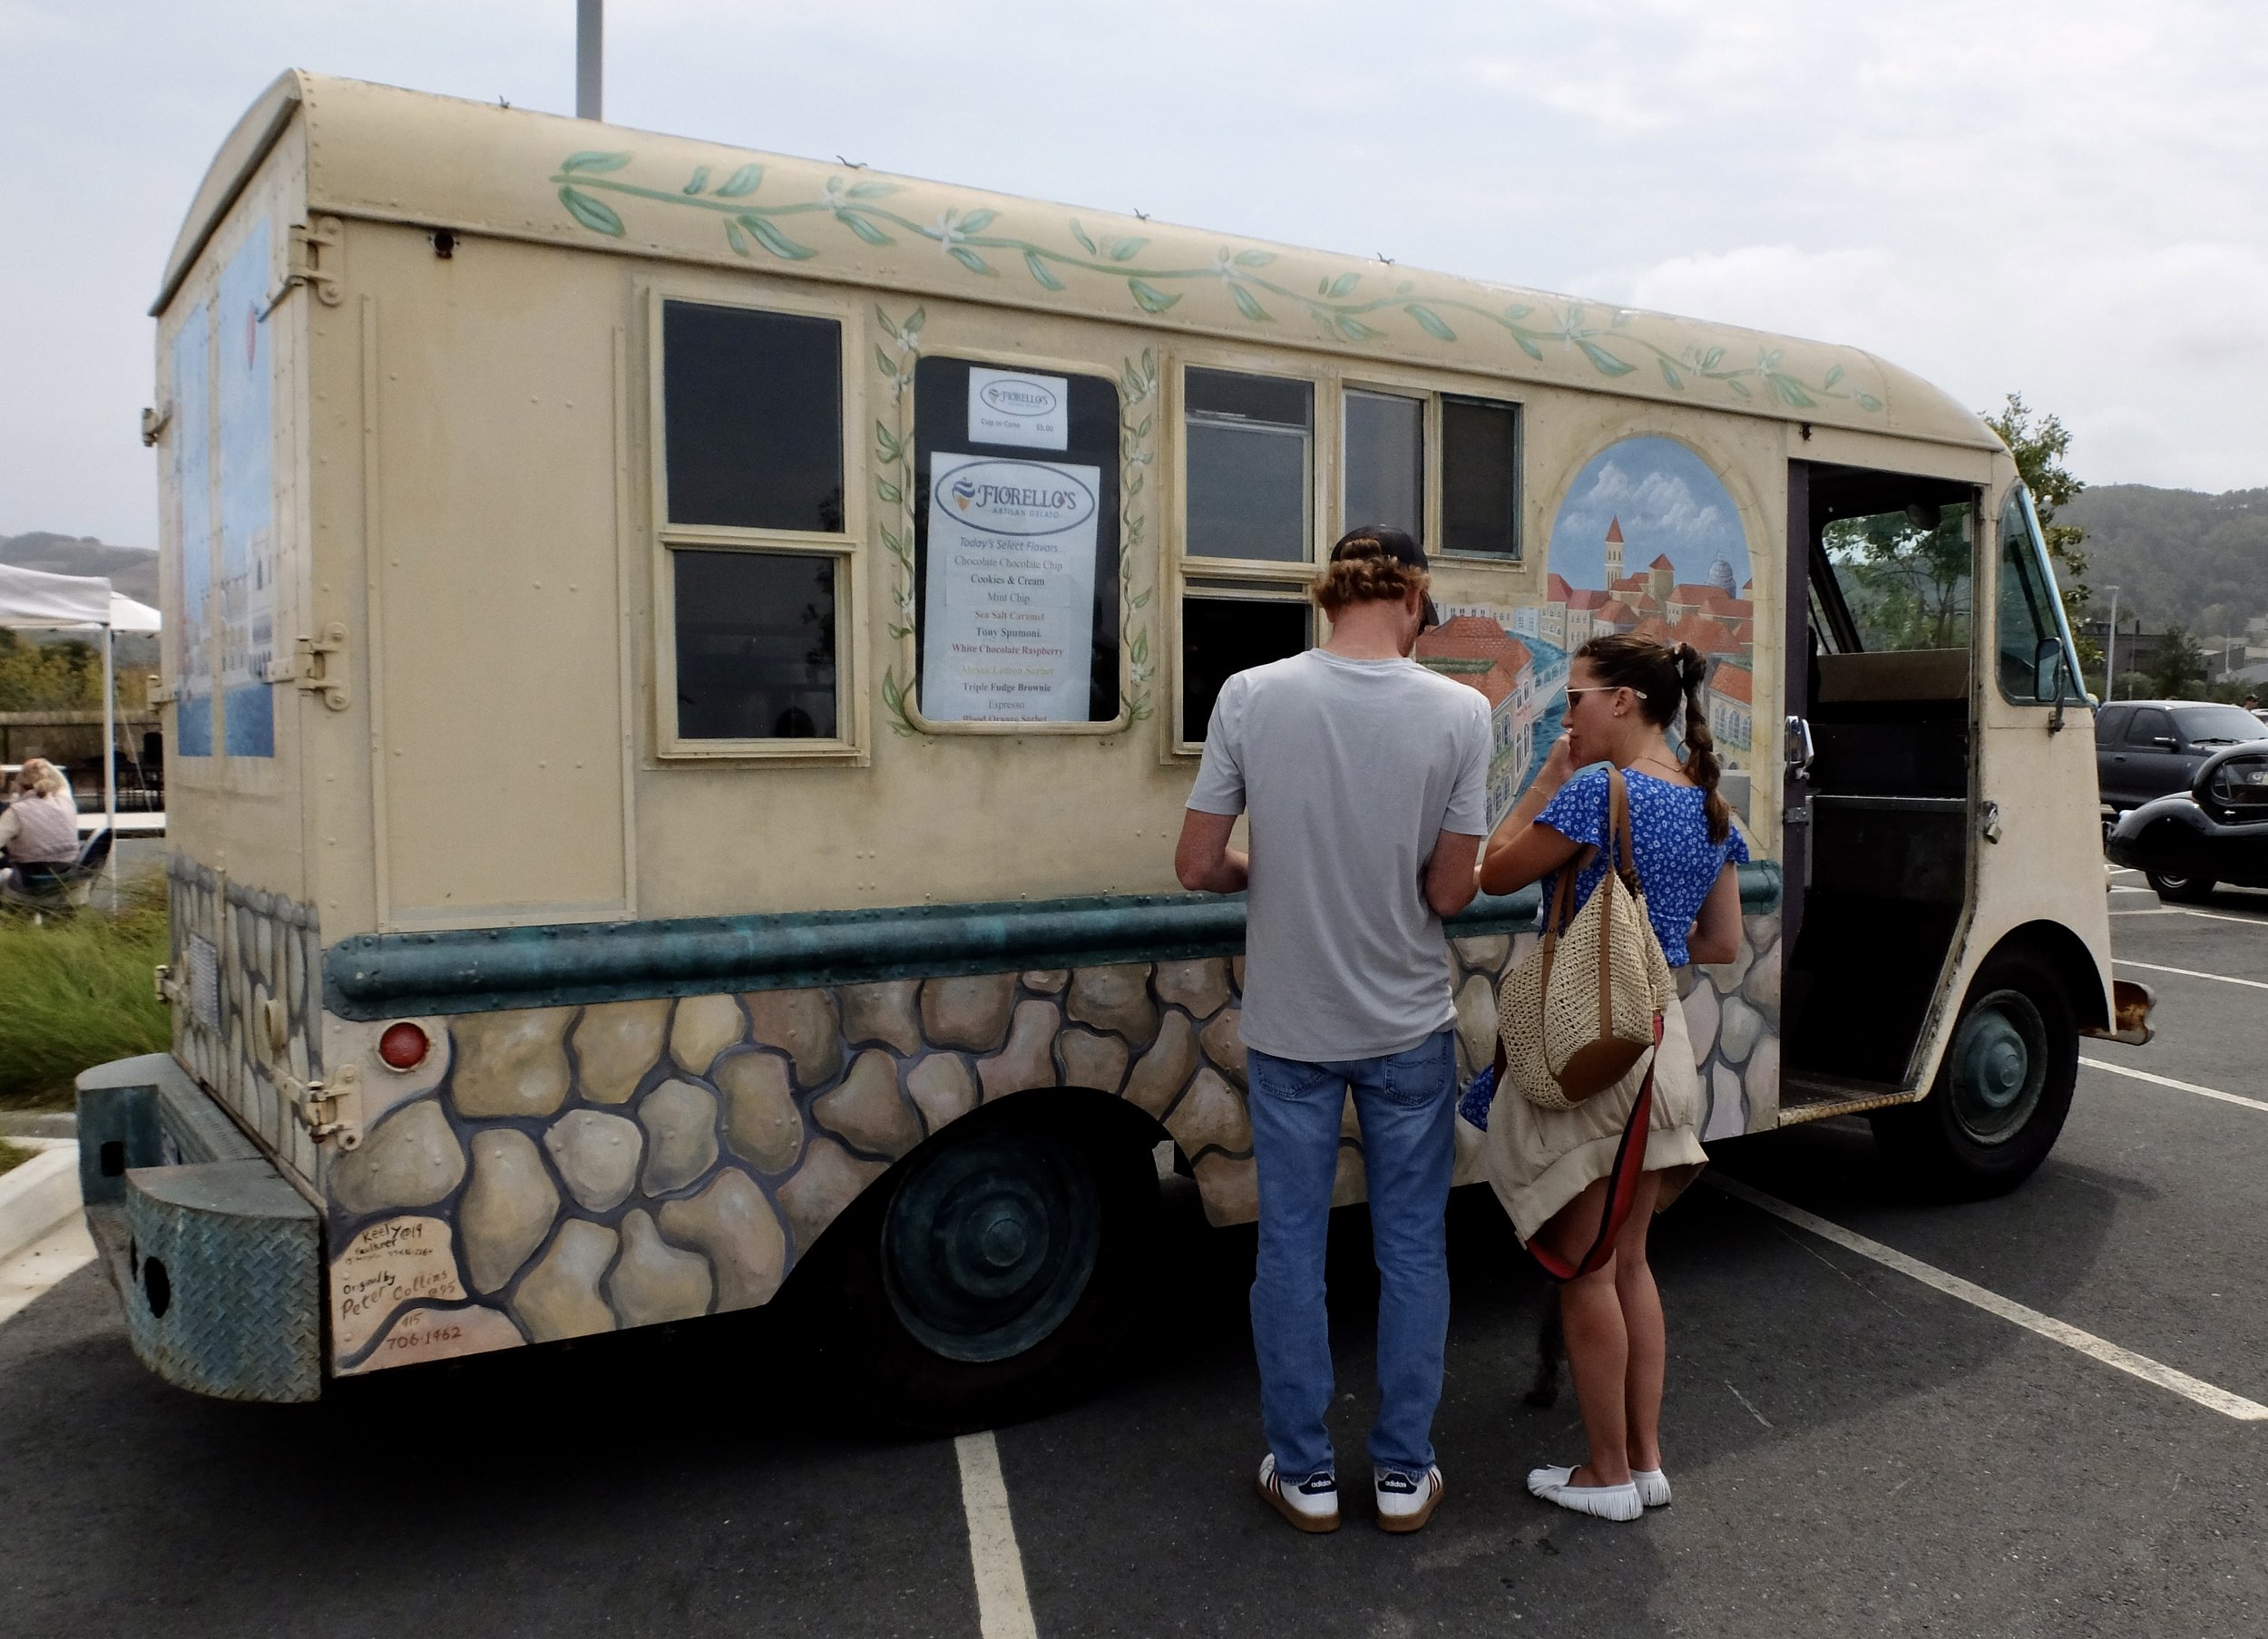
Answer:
x=1342 y=307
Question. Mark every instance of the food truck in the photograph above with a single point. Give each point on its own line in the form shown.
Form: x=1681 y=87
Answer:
x=683 y=667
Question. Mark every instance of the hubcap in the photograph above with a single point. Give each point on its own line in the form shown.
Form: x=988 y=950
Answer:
x=990 y=1243
x=1998 y=1065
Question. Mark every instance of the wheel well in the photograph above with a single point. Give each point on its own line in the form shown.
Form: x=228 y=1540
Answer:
x=2065 y=955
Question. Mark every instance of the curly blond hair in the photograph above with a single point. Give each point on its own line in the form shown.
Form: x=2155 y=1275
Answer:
x=1362 y=571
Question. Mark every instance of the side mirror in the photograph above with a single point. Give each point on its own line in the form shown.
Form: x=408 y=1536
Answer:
x=2166 y=742
x=2047 y=671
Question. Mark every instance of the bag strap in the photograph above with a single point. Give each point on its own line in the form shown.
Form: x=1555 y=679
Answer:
x=1618 y=856
x=1622 y=1183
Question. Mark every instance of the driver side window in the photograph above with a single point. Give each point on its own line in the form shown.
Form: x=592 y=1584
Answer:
x=2148 y=727
x=2028 y=634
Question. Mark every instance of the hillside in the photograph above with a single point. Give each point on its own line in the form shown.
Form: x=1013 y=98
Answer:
x=2176 y=555
x=132 y=570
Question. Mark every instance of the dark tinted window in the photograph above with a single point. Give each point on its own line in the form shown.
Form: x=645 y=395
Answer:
x=2217 y=725
x=2110 y=723
x=1385 y=463
x=1221 y=637
x=755 y=645
x=2149 y=725
x=752 y=416
x=1249 y=440
x=1480 y=477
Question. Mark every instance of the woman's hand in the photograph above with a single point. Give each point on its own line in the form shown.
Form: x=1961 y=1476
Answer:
x=1558 y=764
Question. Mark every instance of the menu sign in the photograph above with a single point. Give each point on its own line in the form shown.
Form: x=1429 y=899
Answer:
x=1010 y=590
x=1008 y=406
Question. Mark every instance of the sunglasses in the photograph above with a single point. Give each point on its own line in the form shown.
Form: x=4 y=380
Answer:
x=1602 y=689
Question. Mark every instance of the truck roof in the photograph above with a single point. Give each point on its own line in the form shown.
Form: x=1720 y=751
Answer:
x=382 y=153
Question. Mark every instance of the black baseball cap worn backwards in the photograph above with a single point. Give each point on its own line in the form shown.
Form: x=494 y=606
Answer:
x=1401 y=548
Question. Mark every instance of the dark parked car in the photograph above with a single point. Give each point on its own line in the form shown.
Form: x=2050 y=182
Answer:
x=2216 y=832
x=2145 y=749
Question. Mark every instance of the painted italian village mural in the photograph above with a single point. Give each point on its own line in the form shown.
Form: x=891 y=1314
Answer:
x=1649 y=541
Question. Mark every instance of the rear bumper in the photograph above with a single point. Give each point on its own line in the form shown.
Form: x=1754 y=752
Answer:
x=217 y=1258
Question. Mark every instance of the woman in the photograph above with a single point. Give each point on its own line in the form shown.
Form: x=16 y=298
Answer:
x=40 y=827
x=1549 y=1167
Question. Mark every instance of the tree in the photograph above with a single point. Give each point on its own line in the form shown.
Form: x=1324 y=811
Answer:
x=39 y=677
x=2179 y=662
x=2040 y=446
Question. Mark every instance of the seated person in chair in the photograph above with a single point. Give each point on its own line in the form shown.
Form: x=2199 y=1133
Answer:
x=39 y=833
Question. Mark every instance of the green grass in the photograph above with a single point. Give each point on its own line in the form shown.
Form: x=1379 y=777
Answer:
x=13 y=1156
x=78 y=992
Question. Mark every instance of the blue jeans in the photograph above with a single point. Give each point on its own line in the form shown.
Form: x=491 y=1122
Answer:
x=1406 y=1103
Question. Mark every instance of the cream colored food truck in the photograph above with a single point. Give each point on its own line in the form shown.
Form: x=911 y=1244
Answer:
x=685 y=665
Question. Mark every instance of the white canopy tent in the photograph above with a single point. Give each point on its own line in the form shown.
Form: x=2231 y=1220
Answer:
x=31 y=599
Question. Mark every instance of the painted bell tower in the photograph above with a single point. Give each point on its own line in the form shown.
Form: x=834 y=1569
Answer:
x=1614 y=553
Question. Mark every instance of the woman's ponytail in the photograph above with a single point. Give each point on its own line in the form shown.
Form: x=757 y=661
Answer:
x=1700 y=764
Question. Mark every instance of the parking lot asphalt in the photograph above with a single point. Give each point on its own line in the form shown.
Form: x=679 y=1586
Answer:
x=1854 y=1452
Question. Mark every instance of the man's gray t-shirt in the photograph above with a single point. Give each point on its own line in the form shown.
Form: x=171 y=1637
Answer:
x=1351 y=771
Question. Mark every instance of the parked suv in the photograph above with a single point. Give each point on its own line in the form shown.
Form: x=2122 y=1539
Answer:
x=2145 y=749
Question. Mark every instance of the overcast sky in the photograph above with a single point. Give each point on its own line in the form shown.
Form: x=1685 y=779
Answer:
x=2064 y=198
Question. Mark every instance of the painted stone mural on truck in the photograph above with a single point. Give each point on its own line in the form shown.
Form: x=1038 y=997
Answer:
x=1648 y=540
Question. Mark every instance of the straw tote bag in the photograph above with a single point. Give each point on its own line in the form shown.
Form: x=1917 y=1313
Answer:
x=1578 y=1014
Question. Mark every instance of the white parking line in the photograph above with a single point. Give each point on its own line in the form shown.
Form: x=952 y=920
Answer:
x=2086 y=1342
x=63 y=1249
x=2179 y=1086
x=1003 y=1608
x=2151 y=967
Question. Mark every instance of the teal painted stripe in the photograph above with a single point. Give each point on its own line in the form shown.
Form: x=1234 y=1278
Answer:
x=481 y=969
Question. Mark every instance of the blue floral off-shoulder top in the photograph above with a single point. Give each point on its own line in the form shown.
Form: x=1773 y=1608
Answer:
x=1669 y=835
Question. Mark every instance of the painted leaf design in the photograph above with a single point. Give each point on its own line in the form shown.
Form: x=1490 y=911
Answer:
x=735 y=239
x=1041 y=274
x=1529 y=349
x=1254 y=258
x=1343 y=286
x=886 y=438
x=1738 y=386
x=591 y=160
x=888 y=493
x=1603 y=362
x=883 y=362
x=700 y=182
x=967 y=257
x=1126 y=250
x=741 y=182
x=1712 y=358
x=1429 y=322
x=915 y=320
x=1867 y=401
x=977 y=221
x=863 y=228
x=1519 y=310
x=1355 y=329
x=1669 y=374
x=761 y=230
x=1833 y=376
x=1080 y=234
x=1248 y=305
x=872 y=190
x=1575 y=316
x=593 y=214
x=1153 y=300
x=1790 y=391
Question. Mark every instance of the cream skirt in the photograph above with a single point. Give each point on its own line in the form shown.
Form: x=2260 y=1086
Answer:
x=1539 y=1159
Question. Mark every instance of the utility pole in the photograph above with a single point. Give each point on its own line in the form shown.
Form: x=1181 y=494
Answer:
x=2110 y=641
x=589 y=57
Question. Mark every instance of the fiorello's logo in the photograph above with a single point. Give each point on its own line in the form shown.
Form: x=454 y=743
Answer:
x=1026 y=398
x=1016 y=497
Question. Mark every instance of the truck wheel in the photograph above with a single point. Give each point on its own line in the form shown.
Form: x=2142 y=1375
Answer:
x=2001 y=1096
x=1001 y=1272
x=2184 y=889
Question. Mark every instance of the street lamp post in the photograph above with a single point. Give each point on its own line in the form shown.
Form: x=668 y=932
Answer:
x=589 y=57
x=2110 y=647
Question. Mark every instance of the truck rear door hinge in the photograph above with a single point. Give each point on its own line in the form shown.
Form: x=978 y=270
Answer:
x=317 y=666
x=163 y=693
x=312 y=258
x=327 y=1108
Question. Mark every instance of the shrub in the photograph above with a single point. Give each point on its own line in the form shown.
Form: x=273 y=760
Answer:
x=78 y=992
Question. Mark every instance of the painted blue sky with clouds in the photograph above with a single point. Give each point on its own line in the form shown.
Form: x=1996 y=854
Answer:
x=1668 y=501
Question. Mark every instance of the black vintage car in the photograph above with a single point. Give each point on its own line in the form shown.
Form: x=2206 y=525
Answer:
x=2145 y=749
x=2216 y=832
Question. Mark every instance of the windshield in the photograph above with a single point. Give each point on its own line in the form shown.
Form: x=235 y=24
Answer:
x=2218 y=725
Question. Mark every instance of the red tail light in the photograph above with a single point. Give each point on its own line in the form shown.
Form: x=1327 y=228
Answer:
x=404 y=1046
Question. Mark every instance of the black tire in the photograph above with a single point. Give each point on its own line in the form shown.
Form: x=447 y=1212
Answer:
x=1000 y=1270
x=2002 y=1093
x=2185 y=888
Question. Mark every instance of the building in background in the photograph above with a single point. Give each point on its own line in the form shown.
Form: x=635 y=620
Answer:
x=1475 y=649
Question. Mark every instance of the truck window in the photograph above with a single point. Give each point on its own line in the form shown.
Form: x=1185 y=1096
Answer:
x=1250 y=444
x=1016 y=522
x=1905 y=576
x=1385 y=464
x=1480 y=477
x=752 y=520
x=2110 y=724
x=2210 y=727
x=2026 y=614
x=2150 y=727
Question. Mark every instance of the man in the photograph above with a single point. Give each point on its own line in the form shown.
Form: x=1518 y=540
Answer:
x=1365 y=778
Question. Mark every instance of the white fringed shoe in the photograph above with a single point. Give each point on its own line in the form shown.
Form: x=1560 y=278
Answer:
x=1619 y=1503
x=1653 y=1487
